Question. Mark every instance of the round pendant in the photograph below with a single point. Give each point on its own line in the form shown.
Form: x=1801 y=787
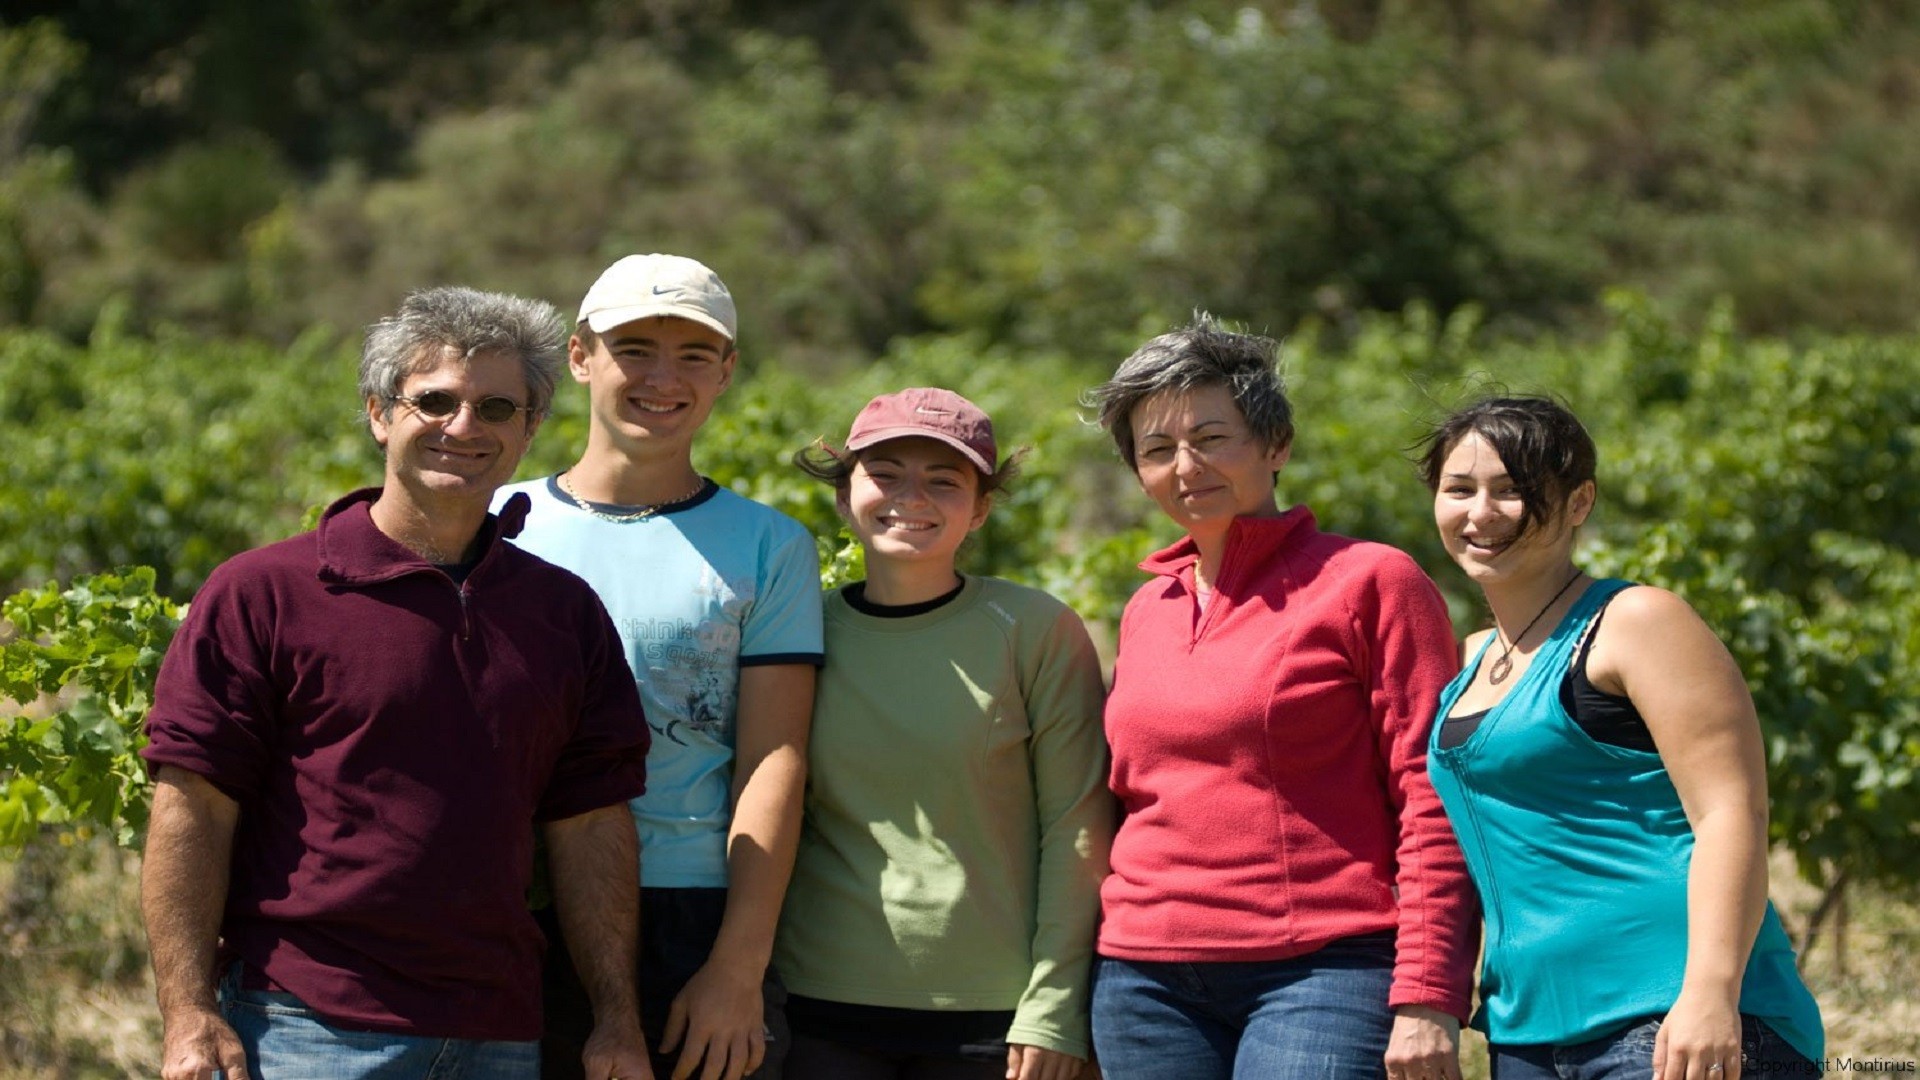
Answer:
x=1501 y=668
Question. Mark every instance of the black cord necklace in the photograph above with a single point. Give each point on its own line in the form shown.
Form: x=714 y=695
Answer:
x=1503 y=666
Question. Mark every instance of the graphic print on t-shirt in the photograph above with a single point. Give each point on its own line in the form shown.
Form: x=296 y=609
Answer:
x=692 y=667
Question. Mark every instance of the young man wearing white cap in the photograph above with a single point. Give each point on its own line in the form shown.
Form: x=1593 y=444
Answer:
x=717 y=599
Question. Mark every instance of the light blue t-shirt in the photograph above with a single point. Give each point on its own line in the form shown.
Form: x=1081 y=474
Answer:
x=697 y=592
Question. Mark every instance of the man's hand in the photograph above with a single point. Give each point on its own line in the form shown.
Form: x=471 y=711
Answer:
x=595 y=865
x=198 y=1042
x=720 y=1018
x=1424 y=1045
x=183 y=889
x=617 y=1052
x=1038 y=1063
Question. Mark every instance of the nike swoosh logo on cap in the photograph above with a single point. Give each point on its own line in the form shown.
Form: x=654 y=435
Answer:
x=658 y=291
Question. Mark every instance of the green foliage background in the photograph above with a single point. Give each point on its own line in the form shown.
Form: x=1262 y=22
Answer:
x=1698 y=222
x=1759 y=479
x=1053 y=175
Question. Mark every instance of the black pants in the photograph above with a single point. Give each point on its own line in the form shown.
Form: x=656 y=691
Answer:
x=820 y=1059
x=677 y=930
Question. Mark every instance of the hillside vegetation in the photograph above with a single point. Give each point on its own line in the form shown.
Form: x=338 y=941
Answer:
x=1697 y=222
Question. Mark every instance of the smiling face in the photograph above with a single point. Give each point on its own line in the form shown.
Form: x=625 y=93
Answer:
x=1478 y=510
x=653 y=382
x=1195 y=455
x=912 y=500
x=458 y=457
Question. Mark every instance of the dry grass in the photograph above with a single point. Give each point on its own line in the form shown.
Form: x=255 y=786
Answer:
x=76 y=998
x=1872 y=1003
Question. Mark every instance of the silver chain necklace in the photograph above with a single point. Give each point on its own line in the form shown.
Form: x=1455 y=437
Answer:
x=639 y=513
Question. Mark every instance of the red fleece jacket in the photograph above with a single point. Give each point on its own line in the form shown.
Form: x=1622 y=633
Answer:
x=1270 y=753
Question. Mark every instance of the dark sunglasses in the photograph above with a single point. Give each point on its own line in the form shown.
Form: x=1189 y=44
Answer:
x=441 y=404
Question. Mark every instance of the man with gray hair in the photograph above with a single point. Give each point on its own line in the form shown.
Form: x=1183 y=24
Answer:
x=356 y=733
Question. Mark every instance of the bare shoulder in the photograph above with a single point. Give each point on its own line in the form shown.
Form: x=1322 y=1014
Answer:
x=1647 y=612
x=1650 y=633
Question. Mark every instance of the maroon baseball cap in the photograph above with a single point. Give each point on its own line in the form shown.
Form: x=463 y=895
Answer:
x=930 y=413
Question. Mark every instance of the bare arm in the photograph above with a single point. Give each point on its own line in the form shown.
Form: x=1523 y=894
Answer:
x=595 y=861
x=1655 y=650
x=183 y=893
x=720 y=1013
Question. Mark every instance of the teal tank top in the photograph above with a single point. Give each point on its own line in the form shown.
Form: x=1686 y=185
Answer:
x=1580 y=851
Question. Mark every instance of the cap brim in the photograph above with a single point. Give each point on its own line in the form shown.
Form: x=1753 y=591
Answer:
x=609 y=318
x=880 y=435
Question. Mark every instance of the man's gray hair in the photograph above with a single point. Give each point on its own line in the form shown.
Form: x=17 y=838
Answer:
x=451 y=318
x=1196 y=355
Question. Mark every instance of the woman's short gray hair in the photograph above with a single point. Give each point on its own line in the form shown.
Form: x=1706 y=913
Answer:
x=1196 y=355
x=468 y=322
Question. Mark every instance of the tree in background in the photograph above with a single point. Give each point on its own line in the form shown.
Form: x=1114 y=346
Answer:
x=1019 y=171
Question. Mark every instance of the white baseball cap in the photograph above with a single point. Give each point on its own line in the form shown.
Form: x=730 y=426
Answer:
x=643 y=286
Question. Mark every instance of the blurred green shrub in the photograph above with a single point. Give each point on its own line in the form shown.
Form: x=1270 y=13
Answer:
x=1760 y=479
x=171 y=453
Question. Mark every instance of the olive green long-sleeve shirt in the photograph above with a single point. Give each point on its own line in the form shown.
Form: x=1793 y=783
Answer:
x=958 y=819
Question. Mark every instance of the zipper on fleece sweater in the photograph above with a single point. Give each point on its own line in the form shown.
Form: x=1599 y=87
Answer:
x=1205 y=617
x=464 y=591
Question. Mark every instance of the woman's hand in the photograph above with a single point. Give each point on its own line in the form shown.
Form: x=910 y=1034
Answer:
x=1700 y=1031
x=1038 y=1063
x=1424 y=1045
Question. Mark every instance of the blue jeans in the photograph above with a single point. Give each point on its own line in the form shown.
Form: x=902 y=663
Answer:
x=1322 y=1016
x=285 y=1040
x=1628 y=1055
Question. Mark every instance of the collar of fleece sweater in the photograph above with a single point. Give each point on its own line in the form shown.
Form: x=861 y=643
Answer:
x=353 y=550
x=1248 y=538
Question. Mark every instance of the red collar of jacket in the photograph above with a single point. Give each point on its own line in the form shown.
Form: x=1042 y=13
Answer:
x=1247 y=537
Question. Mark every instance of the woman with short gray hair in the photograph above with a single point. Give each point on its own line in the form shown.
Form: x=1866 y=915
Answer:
x=1287 y=899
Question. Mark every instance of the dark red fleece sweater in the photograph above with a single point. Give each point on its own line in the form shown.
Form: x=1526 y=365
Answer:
x=1270 y=754
x=392 y=738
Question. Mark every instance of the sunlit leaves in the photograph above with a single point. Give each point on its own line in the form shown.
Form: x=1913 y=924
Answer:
x=76 y=677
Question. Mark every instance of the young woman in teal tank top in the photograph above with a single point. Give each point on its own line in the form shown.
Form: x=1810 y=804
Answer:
x=1607 y=779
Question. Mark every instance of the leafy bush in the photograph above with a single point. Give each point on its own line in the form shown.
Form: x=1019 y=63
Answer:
x=170 y=453
x=93 y=649
x=1759 y=479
